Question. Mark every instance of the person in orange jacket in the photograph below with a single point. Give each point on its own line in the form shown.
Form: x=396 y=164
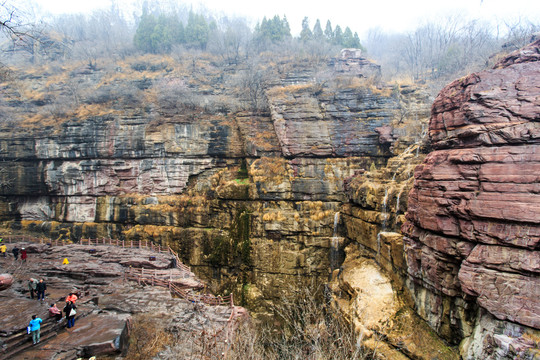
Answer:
x=71 y=297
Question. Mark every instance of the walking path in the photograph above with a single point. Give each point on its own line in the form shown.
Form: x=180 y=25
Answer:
x=115 y=279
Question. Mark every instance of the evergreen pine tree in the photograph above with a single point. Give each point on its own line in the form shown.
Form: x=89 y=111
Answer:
x=276 y=26
x=328 y=32
x=317 y=30
x=357 y=43
x=197 y=31
x=275 y=29
x=348 y=40
x=338 y=36
x=144 y=38
x=285 y=28
x=306 y=33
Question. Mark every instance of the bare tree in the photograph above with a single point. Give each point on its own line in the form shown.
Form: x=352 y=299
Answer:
x=253 y=83
x=231 y=40
x=437 y=52
x=10 y=21
x=102 y=34
x=518 y=33
x=13 y=26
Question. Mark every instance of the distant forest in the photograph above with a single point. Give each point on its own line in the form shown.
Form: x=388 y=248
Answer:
x=436 y=52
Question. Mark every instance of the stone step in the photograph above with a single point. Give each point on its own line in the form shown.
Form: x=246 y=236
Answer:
x=15 y=353
x=21 y=341
x=22 y=336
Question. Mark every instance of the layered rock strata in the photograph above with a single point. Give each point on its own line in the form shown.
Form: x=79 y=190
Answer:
x=225 y=189
x=473 y=229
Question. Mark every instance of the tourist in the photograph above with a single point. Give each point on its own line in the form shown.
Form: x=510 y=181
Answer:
x=70 y=311
x=3 y=249
x=71 y=297
x=24 y=255
x=32 y=284
x=34 y=328
x=15 y=252
x=40 y=288
x=55 y=312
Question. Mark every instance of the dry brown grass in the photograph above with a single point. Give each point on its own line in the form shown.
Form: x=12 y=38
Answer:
x=87 y=110
x=37 y=119
x=147 y=338
x=284 y=91
x=270 y=170
x=357 y=83
x=57 y=79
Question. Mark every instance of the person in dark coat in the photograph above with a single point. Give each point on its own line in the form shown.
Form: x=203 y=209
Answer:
x=40 y=289
x=15 y=252
x=69 y=309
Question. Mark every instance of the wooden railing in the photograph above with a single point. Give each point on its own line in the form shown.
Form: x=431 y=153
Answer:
x=142 y=276
x=162 y=278
x=138 y=244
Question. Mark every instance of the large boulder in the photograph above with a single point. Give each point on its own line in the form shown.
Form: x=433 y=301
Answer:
x=5 y=281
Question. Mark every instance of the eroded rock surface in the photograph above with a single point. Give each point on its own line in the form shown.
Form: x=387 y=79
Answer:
x=191 y=176
x=473 y=228
x=108 y=300
x=386 y=325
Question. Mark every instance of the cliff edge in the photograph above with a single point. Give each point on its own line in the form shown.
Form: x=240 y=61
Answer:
x=473 y=231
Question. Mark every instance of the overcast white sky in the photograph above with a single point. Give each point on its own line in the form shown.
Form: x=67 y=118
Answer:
x=359 y=15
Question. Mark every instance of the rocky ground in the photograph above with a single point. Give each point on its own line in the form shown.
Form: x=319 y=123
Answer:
x=108 y=301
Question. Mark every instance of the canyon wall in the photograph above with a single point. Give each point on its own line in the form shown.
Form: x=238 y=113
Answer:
x=318 y=185
x=247 y=199
x=473 y=226
x=465 y=256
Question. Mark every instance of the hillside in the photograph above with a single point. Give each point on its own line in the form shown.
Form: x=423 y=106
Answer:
x=292 y=168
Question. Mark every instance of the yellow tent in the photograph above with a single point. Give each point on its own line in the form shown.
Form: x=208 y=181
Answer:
x=65 y=262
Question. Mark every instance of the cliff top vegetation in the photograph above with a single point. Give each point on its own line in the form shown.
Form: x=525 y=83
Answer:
x=176 y=62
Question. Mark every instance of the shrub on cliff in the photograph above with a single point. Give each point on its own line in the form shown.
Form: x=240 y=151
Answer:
x=147 y=338
x=305 y=327
x=310 y=327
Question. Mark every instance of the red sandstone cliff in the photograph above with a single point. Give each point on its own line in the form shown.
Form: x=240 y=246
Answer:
x=473 y=222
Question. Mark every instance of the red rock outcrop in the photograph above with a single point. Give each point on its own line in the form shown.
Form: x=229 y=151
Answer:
x=473 y=223
x=5 y=281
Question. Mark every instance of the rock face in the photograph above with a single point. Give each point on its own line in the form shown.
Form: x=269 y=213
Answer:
x=247 y=199
x=351 y=61
x=384 y=321
x=473 y=229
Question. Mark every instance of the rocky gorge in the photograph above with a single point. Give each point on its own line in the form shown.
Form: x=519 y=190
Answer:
x=337 y=181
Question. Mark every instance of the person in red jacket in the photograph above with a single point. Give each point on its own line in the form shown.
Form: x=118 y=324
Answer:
x=71 y=297
x=24 y=255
